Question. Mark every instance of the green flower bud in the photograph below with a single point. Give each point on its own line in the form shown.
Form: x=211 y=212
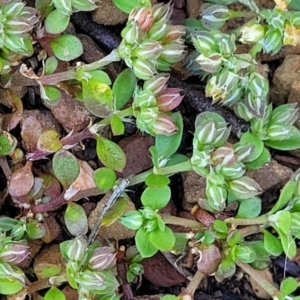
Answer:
x=244 y=254
x=215 y=16
x=132 y=219
x=77 y=249
x=252 y=33
x=103 y=258
x=216 y=195
x=124 y=52
x=223 y=156
x=242 y=111
x=143 y=69
x=227 y=44
x=164 y=124
x=92 y=281
x=12 y=273
x=131 y=33
x=244 y=187
x=274 y=18
x=210 y=64
x=205 y=43
x=272 y=42
x=162 y=12
x=279 y=132
x=174 y=33
x=242 y=152
x=256 y=105
x=83 y=5
x=200 y=160
x=144 y=98
x=208 y=133
x=173 y=52
x=258 y=85
x=158 y=31
x=63 y=6
x=233 y=96
x=157 y=84
x=285 y=115
x=232 y=172
x=148 y=49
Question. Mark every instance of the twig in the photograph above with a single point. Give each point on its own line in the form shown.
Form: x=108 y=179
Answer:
x=114 y=196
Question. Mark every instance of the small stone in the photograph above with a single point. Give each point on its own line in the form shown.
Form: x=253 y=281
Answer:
x=193 y=8
x=270 y=175
x=115 y=231
x=70 y=113
x=34 y=248
x=283 y=78
x=136 y=148
x=160 y=272
x=294 y=98
x=194 y=189
x=53 y=230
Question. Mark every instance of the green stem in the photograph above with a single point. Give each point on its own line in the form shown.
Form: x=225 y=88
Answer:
x=193 y=285
x=139 y=178
x=182 y=222
x=127 y=112
x=241 y=14
x=181 y=167
x=54 y=79
x=266 y=285
x=255 y=49
x=262 y=220
x=249 y=230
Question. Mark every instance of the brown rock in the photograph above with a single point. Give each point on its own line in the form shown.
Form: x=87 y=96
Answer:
x=53 y=229
x=270 y=175
x=193 y=8
x=115 y=231
x=70 y=293
x=283 y=78
x=34 y=248
x=194 y=189
x=294 y=97
x=160 y=272
x=136 y=148
x=70 y=113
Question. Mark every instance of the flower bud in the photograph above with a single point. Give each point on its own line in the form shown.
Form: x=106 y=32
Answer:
x=63 y=6
x=157 y=84
x=244 y=254
x=223 y=156
x=291 y=35
x=83 y=5
x=143 y=16
x=150 y=225
x=77 y=248
x=232 y=171
x=131 y=33
x=14 y=253
x=174 y=33
x=92 y=281
x=211 y=63
x=243 y=152
x=143 y=69
x=215 y=16
x=148 y=49
x=12 y=8
x=132 y=219
x=158 y=31
x=294 y=18
x=12 y=273
x=144 y=98
x=272 y=42
x=233 y=96
x=227 y=44
x=103 y=258
x=148 y=115
x=162 y=12
x=274 y=18
x=169 y=99
x=258 y=85
x=279 y=132
x=148 y=213
x=173 y=52
x=252 y=33
x=216 y=195
x=242 y=111
x=285 y=114
x=205 y=43
x=207 y=133
x=165 y=125
x=244 y=187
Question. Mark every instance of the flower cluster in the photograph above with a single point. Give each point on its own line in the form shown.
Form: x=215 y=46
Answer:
x=71 y=6
x=152 y=103
x=16 y=21
x=149 y=42
x=89 y=269
x=221 y=163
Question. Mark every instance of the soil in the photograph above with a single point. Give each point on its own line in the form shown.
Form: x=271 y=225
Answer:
x=161 y=276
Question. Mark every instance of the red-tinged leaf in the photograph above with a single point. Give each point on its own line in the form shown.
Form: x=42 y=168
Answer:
x=21 y=181
x=51 y=186
x=49 y=141
x=84 y=180
x=31 y=130
x=13 y=101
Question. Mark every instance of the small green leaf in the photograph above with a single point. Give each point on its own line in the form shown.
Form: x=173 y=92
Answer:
x=104 y=178
x=35 y=230
x=143 y=243
x=98 y=76
x=110 y=154
x=288 y=286
x=56 y=22
x=51 y=64
x=226 y=269
x=285 y=196
x=167 y=145
x=170 y=297
x=156 y=197
x=65 y=167
x=46 y=270
x=53 y=94
x=127 y=6
x=49 y=141
x=288 y=244
x=162 y=240
x=291 y=143
x=249 y=208
x=258 y=145
x=272 y=244
x=54 y=294
x=264 y=158
x=10 y=286
x=181 y=241
x=220 y=226
x=157 y=180
x=76 y=219
x=117 y=126
x=66 y=47
x=8 y=143
x=123 y=88
x=114 y=212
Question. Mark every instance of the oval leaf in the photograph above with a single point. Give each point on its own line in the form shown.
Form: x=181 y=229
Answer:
x=272 y=244
x=56 y=22
x=104 y=178
x=156 y=197
x=162 y=240
x=143 y=243
x=54 y=294
x=76 y=219
x=110 y=154
x=65 y=167
x=66 y=47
